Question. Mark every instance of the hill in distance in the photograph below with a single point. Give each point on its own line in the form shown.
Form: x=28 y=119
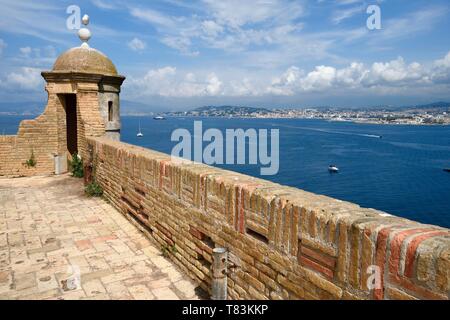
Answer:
x=22 y=108
x=440 y=104
x=230 y=109
x=130 y=108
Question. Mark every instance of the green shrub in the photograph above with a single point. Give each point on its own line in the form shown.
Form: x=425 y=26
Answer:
x=166 y=250
x=77 y=166
x=31 y=163
x=93 y=189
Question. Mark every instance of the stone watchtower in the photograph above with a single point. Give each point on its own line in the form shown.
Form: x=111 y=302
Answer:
x=83 y=100
x=85 y=83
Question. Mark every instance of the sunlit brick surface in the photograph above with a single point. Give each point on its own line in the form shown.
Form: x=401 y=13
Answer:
x=283 y=242
x=49 y=229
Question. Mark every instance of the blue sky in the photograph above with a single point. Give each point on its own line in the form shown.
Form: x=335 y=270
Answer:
x=182 y=54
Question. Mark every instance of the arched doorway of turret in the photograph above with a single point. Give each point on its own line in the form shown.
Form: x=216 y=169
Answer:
x=69 y=103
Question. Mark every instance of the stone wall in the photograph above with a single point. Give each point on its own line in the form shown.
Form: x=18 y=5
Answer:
x=90 y=121
x=39 y=137
x=284 y=243
x=46 y=135
x=109 y=93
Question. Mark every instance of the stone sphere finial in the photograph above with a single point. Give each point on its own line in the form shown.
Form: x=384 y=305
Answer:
x=84 y=34
x=85 y=20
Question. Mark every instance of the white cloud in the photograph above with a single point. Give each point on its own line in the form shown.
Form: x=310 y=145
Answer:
x=321 y=78
x=213 y=85
x=104 y=4
x=343 y=14
x=443 y=63
x=238 y=13
x=137 y=44
x=25 y=51
x=25 y=78
x=42 y=57
x=346 y=2
x=286 y=84
x=154 y=17
x=175 y=32
x=441 y=70
x=45 y=20
x=222 y=26
x=168 y=82
x=395 y=71
x=211 y=28
x=256 y=23
x=352 y=75
x=182 y=44
x=277 y=33
x=408 y=25
x=160 y=74
x=37 y=19
x=379 y=78
x=242 y=88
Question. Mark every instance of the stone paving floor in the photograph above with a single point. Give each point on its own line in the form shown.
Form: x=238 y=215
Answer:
x=56 y=243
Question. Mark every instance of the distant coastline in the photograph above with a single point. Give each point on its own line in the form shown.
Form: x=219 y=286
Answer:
x=358 y=121
x=437 y=113
x=434 y=114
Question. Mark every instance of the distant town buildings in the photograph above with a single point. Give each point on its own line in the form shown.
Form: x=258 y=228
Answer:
x=414 y=116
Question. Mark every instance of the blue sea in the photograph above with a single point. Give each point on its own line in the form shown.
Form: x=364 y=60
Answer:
x=402 y=173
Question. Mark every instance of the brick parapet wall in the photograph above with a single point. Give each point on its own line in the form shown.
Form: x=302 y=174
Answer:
x=39 y=137
x=285 y=243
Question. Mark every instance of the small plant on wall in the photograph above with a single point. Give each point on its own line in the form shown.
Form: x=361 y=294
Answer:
x=77 y=166
x=93 y=189
x=31 y=162
x=166 y=250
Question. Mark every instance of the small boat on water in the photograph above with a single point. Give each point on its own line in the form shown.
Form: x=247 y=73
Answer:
x=333 y=169
x=373 y=136
x=447 y=169
x=159 y=118
x=140 y=134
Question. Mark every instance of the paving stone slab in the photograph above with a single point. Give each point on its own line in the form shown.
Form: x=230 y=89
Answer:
x=57 y=244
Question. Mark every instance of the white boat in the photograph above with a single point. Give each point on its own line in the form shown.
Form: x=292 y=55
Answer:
x=159 y=118
x=333 y=168
x=140 y=134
